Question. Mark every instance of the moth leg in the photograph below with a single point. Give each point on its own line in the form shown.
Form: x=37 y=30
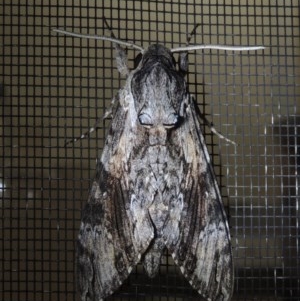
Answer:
x=211 y=126
x=121 y=57
x=86 y=134
x=183 y=56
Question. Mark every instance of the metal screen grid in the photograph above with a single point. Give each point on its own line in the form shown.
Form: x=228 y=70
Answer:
x=53 y=88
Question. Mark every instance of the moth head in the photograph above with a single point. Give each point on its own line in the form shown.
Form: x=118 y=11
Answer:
x=157 y=52
x=158 y=89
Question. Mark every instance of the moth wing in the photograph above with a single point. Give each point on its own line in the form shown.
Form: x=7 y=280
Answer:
x=198 y=235
x=106 y=248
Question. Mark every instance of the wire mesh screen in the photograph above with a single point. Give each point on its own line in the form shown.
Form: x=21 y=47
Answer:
x=54 y=88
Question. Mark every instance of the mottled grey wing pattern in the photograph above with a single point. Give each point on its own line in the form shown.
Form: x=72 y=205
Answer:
x=106 y=252
x=108 y=247
x=202 y=249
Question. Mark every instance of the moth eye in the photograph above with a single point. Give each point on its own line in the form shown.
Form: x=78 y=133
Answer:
x=145 y=120
x=171 y=121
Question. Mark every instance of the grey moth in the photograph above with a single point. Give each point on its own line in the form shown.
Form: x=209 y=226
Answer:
x=155 y=187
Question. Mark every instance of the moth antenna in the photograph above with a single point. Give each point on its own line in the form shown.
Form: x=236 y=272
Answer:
x=103 y=38
x=219 y=47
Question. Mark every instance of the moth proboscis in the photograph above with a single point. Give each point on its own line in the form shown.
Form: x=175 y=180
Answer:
x=155 y=186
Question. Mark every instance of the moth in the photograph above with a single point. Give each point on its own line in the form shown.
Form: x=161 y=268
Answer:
x=155 y=186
